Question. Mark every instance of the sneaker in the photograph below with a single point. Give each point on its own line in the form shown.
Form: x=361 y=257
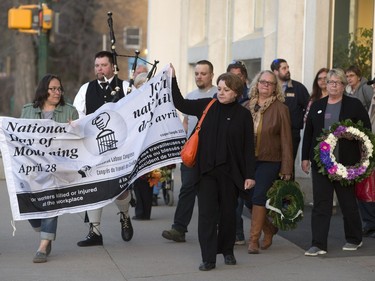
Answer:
x=40 y=257
x=314 y=251
x=351 y=247
x=174 y=235
x=239 y=242
x=92 y=239
x=126 y=227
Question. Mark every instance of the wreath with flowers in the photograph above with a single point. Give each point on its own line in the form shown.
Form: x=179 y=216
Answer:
x=326 y=160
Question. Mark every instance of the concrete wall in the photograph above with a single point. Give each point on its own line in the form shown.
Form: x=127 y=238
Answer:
x=223 y=30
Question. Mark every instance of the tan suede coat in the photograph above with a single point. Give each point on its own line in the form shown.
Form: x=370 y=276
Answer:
x=275 y=143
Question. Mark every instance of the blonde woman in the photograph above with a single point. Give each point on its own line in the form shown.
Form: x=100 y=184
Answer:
x=273 y=151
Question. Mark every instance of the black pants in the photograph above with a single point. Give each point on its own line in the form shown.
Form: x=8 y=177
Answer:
x=296 y=139
x=186 y=198
x=143 y=194
x=217 y=201
x=322 y=211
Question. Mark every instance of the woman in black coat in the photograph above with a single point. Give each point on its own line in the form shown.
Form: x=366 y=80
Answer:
x=323 y=113
x=226 y=165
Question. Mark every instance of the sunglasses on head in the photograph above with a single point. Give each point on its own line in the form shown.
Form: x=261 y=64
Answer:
x=237 y=62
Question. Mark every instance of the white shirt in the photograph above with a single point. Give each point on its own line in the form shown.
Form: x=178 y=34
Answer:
x=80 y=99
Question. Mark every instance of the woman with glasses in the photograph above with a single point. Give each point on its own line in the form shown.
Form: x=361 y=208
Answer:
x=323 y=113
x=319 y=89
x=48 y=103
x=273 y=151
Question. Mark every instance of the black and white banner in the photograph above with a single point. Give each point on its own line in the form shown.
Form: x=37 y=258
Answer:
x=53 y=168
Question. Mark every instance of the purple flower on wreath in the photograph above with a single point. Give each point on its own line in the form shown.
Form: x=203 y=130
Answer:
x=352 y=174
x=324 y=146
x=326 y=159
x=332 y=170
x=339 y=131
x=361 y=170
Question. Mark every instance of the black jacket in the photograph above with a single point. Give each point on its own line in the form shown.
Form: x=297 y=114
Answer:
x=226 y=136
x=349 y=150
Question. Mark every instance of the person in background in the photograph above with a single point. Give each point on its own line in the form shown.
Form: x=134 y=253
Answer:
x=319 y=88
x=225 y=165
x=239 y=68
x=142 y=189
x=89 y=98
x=48 y=103
x=367 y=209
x=273 y=152
x=323 y=113
x=296 y=98
x=203 y=73
x=357 y=86
x=141 y=68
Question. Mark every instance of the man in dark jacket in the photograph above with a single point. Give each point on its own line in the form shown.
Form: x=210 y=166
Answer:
x=296 y=98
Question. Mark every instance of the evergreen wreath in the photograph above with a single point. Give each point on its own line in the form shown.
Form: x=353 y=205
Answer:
x=326 y=160
x=285 y=204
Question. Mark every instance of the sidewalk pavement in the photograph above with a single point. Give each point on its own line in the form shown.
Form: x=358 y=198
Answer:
x=148 y=256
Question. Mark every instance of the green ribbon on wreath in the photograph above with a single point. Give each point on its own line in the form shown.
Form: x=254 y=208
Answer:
x=285 y=204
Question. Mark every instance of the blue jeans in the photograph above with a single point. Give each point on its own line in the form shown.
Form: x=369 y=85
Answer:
x=186 y=198
x=265 y=174
x=46 y=227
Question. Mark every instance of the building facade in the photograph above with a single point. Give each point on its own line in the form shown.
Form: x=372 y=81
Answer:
x=306 y=33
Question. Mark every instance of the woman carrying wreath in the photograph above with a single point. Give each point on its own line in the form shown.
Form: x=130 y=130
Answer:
x=273 y=151
x=323 y=114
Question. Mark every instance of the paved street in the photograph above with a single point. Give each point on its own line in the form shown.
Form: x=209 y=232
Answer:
x=148 y=256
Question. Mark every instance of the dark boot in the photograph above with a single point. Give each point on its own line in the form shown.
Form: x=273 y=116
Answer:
x=126 y=227
x=257 y=221
x=269 y=230
x=92 y=239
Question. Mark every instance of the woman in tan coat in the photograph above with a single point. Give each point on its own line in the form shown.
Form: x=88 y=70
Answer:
x=273 y=151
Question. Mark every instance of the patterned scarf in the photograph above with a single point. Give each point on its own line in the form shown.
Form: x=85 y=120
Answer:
x=257 y=114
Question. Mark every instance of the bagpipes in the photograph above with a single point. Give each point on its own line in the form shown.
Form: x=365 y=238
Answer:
x=151 y=73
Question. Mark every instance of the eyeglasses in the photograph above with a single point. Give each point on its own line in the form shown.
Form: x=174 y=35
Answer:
x=266 y=83
x=334 y=83
x=56 y=89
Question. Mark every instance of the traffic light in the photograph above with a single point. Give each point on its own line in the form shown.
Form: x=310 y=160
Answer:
x=19 y=18
x=30 y=18
x=46 y=17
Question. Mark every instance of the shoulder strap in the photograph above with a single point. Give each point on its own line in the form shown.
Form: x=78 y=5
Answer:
x=204 y=114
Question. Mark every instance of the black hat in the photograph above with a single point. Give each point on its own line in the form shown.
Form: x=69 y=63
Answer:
x=371 y=82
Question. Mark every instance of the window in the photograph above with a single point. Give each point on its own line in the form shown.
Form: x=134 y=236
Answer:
x=132 y=37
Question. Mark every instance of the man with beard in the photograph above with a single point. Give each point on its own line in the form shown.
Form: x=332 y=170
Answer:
x=203 y=73
x=89 y=98
x=296 y=98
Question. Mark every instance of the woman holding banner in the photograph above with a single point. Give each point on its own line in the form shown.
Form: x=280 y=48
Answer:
x=48 y=103
x=226 y=165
